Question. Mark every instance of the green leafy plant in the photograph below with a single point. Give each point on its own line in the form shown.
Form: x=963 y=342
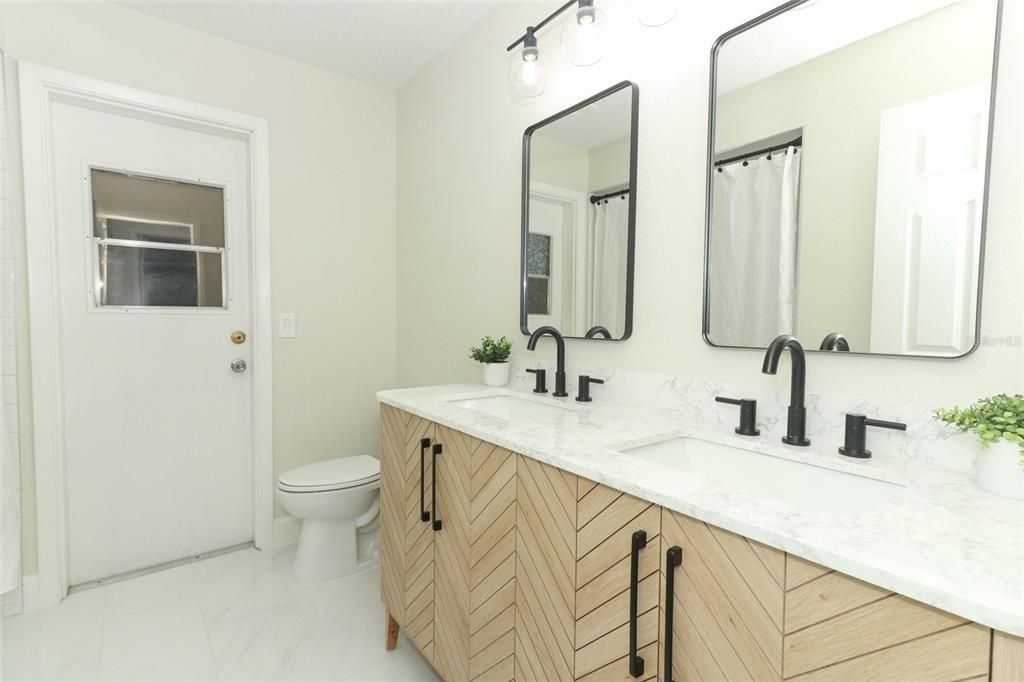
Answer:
x=1000 y=417
x=491 y=351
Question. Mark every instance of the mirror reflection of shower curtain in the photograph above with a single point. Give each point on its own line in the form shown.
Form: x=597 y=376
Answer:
x=609 y=222
x=752 y=288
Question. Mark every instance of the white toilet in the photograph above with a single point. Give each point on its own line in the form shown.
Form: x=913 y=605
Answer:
x=333 y=498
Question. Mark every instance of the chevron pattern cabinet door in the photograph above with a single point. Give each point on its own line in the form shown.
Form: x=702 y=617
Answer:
x=728 y=602
x=419 y=540
x=838 y=628
x=474 y=560
x=606 y=520
x=545 y=572
x=393 y=423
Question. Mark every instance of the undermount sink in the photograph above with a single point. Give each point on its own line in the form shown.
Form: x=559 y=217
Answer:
x=514 y=408
x=798 y=483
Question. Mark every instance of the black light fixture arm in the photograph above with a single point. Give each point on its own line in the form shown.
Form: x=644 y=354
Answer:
x=547 y=20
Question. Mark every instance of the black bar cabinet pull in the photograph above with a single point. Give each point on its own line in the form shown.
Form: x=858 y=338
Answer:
x=673 y=560
x=424 y=444
x=636 y=663
x=433 y=485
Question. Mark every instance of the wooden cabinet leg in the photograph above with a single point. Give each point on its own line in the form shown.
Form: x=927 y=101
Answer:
x=390 y=632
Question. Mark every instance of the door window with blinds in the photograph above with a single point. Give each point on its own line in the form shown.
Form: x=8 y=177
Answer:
x=157 y=243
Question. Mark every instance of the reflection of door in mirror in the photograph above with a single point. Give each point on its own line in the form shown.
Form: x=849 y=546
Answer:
x=549 y=251
x=931 y=185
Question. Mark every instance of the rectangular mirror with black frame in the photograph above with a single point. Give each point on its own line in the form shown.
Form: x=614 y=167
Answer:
x=848 y=168
x=579 y=218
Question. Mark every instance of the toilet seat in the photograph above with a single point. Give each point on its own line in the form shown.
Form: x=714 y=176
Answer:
x=332 y=474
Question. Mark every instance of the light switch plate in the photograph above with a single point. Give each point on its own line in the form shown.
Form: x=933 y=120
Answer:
x=286 y=326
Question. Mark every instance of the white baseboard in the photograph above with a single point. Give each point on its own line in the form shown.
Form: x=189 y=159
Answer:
x=286 y=531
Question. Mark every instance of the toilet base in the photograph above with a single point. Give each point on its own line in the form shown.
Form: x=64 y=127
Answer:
x=327 y=551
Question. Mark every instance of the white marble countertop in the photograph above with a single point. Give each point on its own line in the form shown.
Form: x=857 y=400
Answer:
x=942 y=540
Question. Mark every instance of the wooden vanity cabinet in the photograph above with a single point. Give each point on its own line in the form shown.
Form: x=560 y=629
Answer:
x=447 y=573
x=533 y=573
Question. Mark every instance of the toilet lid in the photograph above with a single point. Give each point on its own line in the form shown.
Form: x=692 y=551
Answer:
x=341 y=472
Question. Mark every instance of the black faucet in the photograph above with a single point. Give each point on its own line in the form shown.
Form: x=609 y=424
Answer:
x=560 y=370
x=598 y=331
x=835 y=341
x=796 y=424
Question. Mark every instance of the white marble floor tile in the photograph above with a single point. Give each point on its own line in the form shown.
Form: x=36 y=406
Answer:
x=145 y=592
x=238 y=616
x=274 y=644
x=59 y=643
x=168 y=641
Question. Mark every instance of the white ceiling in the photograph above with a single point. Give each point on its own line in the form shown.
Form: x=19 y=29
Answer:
x=381 y=42
x=596 y=125
x=808 y=31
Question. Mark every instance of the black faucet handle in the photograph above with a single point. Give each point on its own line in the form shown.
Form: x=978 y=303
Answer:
x=855 y=444
x=583 y=395
x=748 y=414
x=541 y=383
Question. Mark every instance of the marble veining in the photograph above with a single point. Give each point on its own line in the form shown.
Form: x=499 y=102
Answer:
x=942 y=540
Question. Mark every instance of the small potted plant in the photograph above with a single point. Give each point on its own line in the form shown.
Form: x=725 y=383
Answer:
x=998 y=422
x=493 y=355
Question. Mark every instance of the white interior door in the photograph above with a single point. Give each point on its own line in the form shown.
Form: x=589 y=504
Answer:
x=931 y=187
x=544 y=262
x=153 y=246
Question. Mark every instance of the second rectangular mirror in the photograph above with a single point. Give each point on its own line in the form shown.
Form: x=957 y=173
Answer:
x=848 y=176
x=579 y=218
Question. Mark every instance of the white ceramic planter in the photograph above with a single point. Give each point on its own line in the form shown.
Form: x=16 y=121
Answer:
x=999 y=470
x=496 y=374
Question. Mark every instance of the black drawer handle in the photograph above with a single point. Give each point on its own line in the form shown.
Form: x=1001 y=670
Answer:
x=433 y=485
x=673 y=560
x=636 y=663
x=424 y=444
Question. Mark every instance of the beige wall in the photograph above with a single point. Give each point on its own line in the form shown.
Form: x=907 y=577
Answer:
x=609 y=165
x=459 y=138
x=332 y=188
x=837 y=99
x=558 y=164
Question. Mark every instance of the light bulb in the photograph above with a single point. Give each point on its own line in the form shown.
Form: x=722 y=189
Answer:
x=655 y=12
x=583 y=35
x=526 y=72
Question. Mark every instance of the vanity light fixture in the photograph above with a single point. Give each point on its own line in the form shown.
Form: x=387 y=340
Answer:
x=655 y=12
x=583 y=42
x=526 y=71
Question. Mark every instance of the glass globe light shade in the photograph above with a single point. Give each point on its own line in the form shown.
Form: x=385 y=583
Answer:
x=526 y=72
x=584 y=34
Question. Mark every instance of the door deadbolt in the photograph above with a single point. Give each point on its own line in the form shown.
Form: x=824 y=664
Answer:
x=238 y=366
x=238 y=336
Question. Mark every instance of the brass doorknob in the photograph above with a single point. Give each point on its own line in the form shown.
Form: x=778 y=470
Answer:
x=238 y=366
x=238 y=336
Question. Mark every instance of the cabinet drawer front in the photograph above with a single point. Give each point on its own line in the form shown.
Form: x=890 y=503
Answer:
x=607 y=521
x=728 y=604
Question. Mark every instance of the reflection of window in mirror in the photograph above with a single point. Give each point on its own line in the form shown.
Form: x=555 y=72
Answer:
x=578 y=214
x=877 y=234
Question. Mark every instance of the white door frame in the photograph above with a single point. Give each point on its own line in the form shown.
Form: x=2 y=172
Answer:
x=40 y=87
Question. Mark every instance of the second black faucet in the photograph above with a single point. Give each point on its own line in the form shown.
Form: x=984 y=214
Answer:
x=560 y=391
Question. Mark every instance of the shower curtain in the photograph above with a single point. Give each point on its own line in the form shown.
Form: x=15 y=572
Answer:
x=609 y=240
x=753 y=245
